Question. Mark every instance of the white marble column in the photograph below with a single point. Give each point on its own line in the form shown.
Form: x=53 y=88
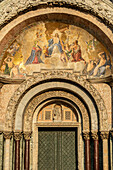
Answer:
x=104 y=136
x=7 y=136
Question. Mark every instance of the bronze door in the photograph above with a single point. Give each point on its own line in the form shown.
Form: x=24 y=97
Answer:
x=57 y=149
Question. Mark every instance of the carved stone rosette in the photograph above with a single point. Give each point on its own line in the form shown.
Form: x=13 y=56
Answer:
x=17 y=135
x=7 y=135
x=104 y=135
x=94 y=135
x=27 y=135
x=86 y=135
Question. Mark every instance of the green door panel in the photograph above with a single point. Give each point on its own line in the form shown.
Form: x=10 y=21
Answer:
x=57 y=149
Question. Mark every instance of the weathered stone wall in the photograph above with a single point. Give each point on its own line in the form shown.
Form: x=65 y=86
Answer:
x=105 y=92
x=5 y=95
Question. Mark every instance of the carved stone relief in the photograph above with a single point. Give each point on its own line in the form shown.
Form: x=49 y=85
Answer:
x=28 y=115
x=102 y=9
x=57 y=112
x=19 y=93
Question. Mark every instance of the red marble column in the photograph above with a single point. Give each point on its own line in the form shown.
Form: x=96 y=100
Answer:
x=87 y=151
x=96 y=150
x=27 y=151
x=17 y=137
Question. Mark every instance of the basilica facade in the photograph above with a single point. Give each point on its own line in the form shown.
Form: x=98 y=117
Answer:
x=56 y=65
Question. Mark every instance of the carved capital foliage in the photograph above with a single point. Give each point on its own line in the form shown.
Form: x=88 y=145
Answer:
x=27 y=135
x=94 y=135
x=17 y=135
x=86 y=135
x=111 y=133
x=7 y=135
x=104 y=135
x=1 y=85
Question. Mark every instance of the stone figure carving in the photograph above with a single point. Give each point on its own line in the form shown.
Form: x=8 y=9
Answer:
x=57 y=113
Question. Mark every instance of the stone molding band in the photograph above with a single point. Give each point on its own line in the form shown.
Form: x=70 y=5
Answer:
x=86 y=135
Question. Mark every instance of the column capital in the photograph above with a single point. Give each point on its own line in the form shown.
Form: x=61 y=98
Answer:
x=17 y=135
x=111 y=84
x=111 y=132
x=7 y=135
x=94 y=135
x=1 y=84
x=27 y=135
x=104 y=135
x=86 y=135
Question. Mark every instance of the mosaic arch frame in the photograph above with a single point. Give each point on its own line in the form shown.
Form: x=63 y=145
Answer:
x=51 y=75
x=102 y=31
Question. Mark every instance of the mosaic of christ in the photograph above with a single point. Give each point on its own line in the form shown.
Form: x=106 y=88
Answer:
x=54 y=45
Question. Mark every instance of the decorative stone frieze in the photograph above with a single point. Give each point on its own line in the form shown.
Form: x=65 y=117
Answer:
x=7 y=135
x=27 y=135
x=17 y=135
x=104 y=135
x=86 y=135
x=94 y=135
x=102 y=9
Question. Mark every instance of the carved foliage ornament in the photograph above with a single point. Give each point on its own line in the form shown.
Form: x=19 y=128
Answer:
x=99 y=8
x=17 y=135
x=94 y=135
x=28 y=115
x=104 y=135
x=86 y=136
x=13 y=103
x=7 y=135
x=27 y=135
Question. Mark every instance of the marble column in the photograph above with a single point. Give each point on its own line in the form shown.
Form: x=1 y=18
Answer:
x=111 y=149
x=104 y=136
x=27 y=136
x=7 y=136
x=17 y=137
x=96 y=150
x=87 y=151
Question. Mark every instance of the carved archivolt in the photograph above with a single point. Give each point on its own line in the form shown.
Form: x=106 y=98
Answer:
x=62 y=75
x=10 y=8
x=29 y=111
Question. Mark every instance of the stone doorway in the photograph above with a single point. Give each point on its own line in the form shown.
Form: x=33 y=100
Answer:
x=57 y=148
